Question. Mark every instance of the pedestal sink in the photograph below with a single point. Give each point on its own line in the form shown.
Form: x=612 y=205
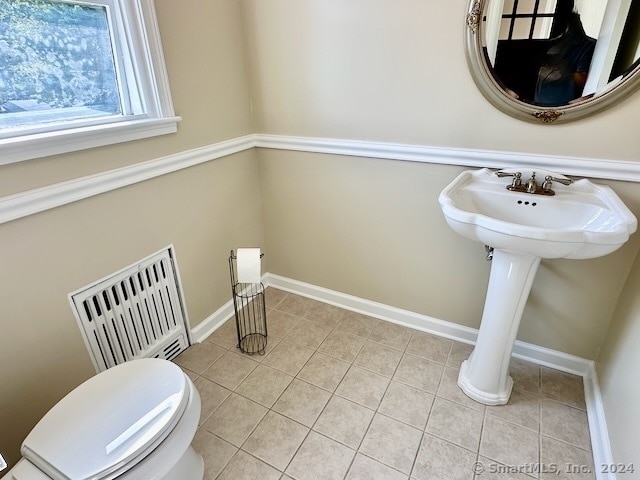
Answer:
x=581 y=220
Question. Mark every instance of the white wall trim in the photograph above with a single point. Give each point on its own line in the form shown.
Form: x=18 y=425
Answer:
x=13 y=207
x=526 y=351
x=45 y=144
x=582 y=167
x=212 y=322
x=600 y=444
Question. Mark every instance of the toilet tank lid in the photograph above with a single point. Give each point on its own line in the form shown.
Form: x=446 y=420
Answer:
x=110 y=422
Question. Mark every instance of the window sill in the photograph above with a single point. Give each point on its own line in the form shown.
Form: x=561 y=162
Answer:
x=17 y=149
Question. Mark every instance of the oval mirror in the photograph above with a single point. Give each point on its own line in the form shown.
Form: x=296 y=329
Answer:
x=554 y=60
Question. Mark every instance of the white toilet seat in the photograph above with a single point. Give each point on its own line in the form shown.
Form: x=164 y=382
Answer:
x=133 y=421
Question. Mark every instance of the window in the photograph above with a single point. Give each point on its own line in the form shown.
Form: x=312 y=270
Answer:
x=77 y=74
x=527 y=19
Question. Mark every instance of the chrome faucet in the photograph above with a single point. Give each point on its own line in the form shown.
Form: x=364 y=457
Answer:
x=532 y=185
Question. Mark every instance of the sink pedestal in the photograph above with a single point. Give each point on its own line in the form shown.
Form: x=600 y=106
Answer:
x=484 y=376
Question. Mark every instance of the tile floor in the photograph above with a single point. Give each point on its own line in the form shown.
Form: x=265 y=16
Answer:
x=339 y=395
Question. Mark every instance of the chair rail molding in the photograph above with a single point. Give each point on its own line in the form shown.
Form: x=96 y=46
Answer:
x=628 y=171
x=13 y=207
x=22 y=204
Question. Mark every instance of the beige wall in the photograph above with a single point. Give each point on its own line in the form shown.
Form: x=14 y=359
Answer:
x=204 y=211
x=618 y=365
x=364 y=69
x=374 y=229
x=396 y=72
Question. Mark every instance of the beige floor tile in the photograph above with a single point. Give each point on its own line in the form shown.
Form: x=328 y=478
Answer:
x=288 y=357
x=226 y=335
x=526 y=375
x=325 y=313
x=439 y=459
x=407 y=404
x=273 y=296
x=215 y=452
x=276 y=440
x=523 y=409
x=574 y=463
x=342 y=345
x=211 y=397
x=235 y=419
x=245 y=467
x=264 y=385
x=545 y=411
x=565 y=423
x=459 y=353
x=365 y=468
x=256 y=356
x=308 y=333
x=391 y=335
x=357 y=324
x=392 y=443
x=230 y=370
x=363 y=387
x=324 y=371
x=419 y=372
x=378 y=358
x=320 y=457
x=280 y=323
x=455 y=423
x=302 y=402
x=450 y=390
x=294 y=304
x=562 y=387
x=430 y=347
x=199 y=357
x=192 y=375
x=344 y=421
x=508 y=443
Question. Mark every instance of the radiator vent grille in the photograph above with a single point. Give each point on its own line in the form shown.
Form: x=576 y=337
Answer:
x=136 y=312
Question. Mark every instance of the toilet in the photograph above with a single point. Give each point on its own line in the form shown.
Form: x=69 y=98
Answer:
x=133 y=421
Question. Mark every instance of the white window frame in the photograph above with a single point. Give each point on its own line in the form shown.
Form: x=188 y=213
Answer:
x=137 y=37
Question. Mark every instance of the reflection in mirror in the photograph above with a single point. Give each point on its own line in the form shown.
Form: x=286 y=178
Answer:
x=553 y=56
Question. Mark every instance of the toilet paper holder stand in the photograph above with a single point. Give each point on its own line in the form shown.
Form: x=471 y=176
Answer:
x=250 y=311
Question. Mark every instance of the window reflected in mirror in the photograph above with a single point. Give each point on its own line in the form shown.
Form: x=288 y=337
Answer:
x=551 y=53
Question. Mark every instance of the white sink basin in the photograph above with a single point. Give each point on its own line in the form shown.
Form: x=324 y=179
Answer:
x=582 y=220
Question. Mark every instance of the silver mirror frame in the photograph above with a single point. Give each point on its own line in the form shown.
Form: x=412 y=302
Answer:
x=482 y=74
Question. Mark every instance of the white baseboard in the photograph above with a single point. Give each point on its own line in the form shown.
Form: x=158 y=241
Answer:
x=374 y=309
x=212 y=322
x=600 y=444
x=526 y=351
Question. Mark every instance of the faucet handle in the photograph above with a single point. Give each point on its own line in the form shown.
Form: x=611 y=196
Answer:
x=517 y=177
x=563 y=180
x=502 y=173
x=546 y=185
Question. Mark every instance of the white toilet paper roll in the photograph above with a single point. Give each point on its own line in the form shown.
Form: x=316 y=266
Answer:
x=248 y=265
